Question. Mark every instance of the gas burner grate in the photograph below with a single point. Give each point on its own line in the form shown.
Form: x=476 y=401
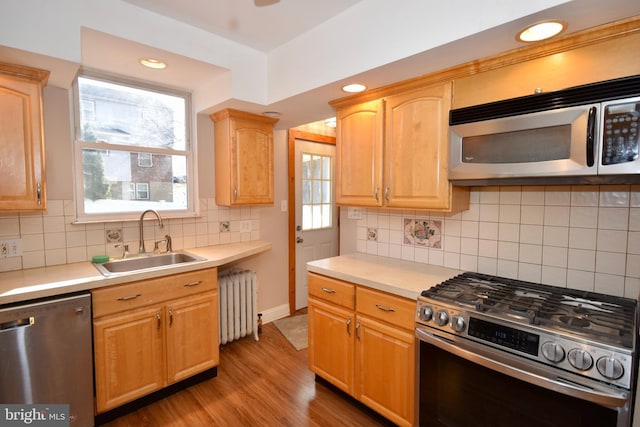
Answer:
x=607 y=318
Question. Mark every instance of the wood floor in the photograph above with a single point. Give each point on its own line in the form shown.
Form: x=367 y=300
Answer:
x=264 y=383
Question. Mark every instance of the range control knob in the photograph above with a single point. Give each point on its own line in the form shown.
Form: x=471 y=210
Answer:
x=553 y=351
x=610 y=367
x=442 y=318
x=425 y=313
x=457 y=323
x=580 y=359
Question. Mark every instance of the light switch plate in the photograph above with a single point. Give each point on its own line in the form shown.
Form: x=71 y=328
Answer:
x=354 y=213
x=10 y=248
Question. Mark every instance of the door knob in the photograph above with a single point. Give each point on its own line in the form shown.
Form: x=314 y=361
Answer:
x=299 y=240
x=298 y=228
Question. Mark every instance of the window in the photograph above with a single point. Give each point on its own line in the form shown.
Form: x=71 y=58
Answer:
x=132 y=150
x=145 y=160
x=142 y=191
x=316 y=192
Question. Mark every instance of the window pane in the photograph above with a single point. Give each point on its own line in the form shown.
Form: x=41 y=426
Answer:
x=306 y=166
x=306 y=217
x=326 y=168
x=326 y=191
x=326 y=216
x=316 y=219
x=306 y=192
x=119 y=114
x=317 y=196
x=316 y=170
x=113 y=182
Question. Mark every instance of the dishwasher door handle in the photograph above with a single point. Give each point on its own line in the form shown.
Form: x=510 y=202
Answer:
x=19 y=323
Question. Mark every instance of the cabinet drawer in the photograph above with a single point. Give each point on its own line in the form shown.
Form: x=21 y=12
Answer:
x=395 y=310
x=114 y=299
x=332 y=290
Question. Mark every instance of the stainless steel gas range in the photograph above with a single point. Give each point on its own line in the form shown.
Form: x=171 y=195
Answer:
x=496 y=351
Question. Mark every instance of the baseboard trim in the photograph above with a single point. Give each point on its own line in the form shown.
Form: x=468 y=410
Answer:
x=275 y=313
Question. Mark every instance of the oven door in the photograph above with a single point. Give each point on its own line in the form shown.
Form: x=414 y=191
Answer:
x=462 y=383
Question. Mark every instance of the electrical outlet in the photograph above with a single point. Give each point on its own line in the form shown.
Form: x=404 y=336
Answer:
x=245 y=226
x=10 y=248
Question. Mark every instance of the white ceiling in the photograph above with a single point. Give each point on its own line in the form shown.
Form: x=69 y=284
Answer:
x=290 y=57
x=263 y=28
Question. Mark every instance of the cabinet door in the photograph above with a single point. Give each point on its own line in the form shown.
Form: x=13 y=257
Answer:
x=251 y=163
x=359 y=131
x=416 y=149
x=331 y=341
x=22 y=184
x=385 y=371
x=129 y=356
x=192 y=335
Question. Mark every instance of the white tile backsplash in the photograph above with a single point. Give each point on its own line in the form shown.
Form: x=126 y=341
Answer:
x=584 y=236
x=51 y=238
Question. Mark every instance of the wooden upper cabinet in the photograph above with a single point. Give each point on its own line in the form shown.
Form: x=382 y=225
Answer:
x=393 y=152
x=22 y=177
x=359 y=147
x=417 y=150
x=243 y=158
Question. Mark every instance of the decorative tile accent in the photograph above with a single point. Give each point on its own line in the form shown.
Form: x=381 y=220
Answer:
x=113 y=235
x=423 y=232
x=372 y=234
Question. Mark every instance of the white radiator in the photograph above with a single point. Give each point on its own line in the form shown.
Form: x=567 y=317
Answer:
x=238 y=305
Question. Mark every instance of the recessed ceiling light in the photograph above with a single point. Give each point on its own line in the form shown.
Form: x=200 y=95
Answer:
x=272 y=114
x=354 y=88
x=153 y=63
x=541 y=31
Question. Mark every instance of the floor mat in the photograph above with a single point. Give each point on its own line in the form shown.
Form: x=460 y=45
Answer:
x=295 y=330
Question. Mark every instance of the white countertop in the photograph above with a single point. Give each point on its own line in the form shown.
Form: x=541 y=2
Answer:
x=23 y=285
x=403 y=278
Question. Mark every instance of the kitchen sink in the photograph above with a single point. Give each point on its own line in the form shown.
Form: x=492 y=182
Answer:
x=146 y=262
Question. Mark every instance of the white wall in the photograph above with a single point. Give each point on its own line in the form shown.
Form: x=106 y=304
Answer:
x=582 y=237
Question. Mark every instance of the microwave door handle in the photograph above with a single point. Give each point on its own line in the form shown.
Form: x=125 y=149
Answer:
x=591 y=135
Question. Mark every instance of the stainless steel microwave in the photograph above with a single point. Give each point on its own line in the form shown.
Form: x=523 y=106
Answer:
x=548 y=136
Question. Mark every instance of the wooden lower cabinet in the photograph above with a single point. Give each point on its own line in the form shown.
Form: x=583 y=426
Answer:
x=385 y=371
x=331 y=339
x=129 y=357
x=367 y=350
x=140 y=348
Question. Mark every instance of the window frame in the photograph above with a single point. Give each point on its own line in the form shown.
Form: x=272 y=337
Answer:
x=78 y=145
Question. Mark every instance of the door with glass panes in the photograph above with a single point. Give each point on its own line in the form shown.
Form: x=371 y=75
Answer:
x=316 y=213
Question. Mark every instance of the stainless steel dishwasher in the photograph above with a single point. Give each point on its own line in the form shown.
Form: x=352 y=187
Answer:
x=46 y=355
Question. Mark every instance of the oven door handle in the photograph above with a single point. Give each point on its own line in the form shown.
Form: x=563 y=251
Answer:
x=508 y=364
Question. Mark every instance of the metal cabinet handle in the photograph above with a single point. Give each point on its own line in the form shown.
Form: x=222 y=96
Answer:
x=128 y=297
x=170 y=317
x=358 y=330
x=383 y=308
x=235 y=193
x=329 y=291
x=196 y=283
x=349 y=326
x=386 y=193
x=39 y=193
x=377 y=193
x=159 y=321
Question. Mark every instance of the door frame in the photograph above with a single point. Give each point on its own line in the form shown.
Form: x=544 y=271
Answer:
x=291 y=202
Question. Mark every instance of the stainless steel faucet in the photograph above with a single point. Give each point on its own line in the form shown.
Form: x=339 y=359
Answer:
x=142 y=249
